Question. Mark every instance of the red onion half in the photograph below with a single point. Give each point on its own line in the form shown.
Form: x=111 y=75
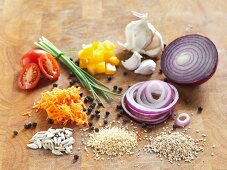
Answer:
x=189 y=60
x=150 y=102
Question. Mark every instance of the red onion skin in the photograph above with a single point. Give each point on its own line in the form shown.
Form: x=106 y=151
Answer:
x=202 y=80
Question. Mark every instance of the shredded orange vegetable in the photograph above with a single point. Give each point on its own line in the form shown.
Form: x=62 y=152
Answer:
x=63 y=106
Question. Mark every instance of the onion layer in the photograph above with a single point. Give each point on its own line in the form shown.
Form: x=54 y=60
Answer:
x=150 y=102
x=189 y=60
x=182 y=120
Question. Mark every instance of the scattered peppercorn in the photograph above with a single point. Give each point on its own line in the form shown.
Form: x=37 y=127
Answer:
x=115 y=87
x=28 y=125
x=200 y=109
x=107 y=113
x=120 y=89
x=93 y=104
x=55 y=85
x=143 y=125
x=119 y=106
x=97 y=112
x=15 y=133
x=50 y=121
x=175 y=126
x=71 y=83
x=89 y=109
x=165 y=80
x=92 y=116
x=96 y=129
x=90 y=124
x=84 y=110
x=97 y=116
x=92 y=128
x=76 y=62
x=121 y=112
x=75 y=157
x=71 y=74
x=90 y=98
x=160 y=71
x=125 y=121
x=125 y=73
x=129 y=86
x=81 y=94
x=77 y=86
x=105 y=122
x=119 y=115
x=34 y=124
x=86 y=100
x=71 y=59
x=100 y=104
x=109 y=78
x=164 y=45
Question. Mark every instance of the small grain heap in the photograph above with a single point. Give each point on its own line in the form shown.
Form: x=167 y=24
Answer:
x=112 y=141
x=174 y=146
x=56 y=140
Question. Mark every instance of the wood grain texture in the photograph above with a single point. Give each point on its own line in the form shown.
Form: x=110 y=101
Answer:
x=71 y=23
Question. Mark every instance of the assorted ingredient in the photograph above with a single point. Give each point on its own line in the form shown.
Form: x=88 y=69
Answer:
x=141 y=36
x=150 y=102
x=189 y=60
x=85 y=79
x=56 y=140
x=99 y=57
x=34 y=63
x=112 y=141
x=175 y=146
x=63 y=106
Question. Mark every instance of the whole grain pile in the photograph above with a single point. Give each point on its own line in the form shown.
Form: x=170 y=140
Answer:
x=112 y=141
x=174 y=146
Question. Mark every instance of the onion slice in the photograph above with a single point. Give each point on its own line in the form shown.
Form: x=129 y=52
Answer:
x=141 y=105
x=182 y=120
x=189 y=60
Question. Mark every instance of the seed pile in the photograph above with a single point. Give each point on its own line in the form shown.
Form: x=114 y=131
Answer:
x=174 y=146
x=56 y=140
x=112 y=141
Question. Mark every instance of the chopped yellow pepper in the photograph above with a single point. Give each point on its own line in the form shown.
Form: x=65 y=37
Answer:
x=99 y=57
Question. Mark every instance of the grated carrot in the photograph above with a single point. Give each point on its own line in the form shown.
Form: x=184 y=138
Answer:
x=63 y=106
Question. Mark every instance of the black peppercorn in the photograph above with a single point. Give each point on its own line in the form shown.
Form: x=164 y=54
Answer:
x=97 y=112
x=129 y=86
x=107 y=113
x=92 y=128
x=100 y=104
x=125 y=73
x=75 y=157
x=81 y=94
x=119 y=115
x=119 y=106
x=55 y=85
x=93 y=104
x=175 y=126
x=165 y=80
x=92 y=116
x=89 y=109
x=71 y=83
x=96 y=129
x=71 y=59
x=164 y=45
x=15 y=133
x=84 y=110
x=200 y=109
x=115 y=87
x=125 y=121
x=90 y=124
x=71 y=74
x=143 y=125
x=109 y=78
x=105 y=122
x=120 y=89
x=50 y=121
x=28 y=125
x=34 y=124
x=121 y=112
x=76 y=62
x=86 y=100
x=97 y=116
x=160 y=71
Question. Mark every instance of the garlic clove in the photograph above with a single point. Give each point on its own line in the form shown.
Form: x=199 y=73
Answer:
x=146 y=67
x=133 y=62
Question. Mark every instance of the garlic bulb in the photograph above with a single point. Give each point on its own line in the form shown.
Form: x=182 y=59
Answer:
x=141 y=36
x=146 y=67
x=133 y=62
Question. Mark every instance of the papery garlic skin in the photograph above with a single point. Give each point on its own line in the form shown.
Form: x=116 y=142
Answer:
x=133 y=62
x=139 y=36
x=146 y=67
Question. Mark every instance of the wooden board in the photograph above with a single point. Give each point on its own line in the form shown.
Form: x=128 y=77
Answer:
x=69 y=24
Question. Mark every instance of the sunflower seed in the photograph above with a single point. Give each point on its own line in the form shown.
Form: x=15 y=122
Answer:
x=56 y=152
x=32 y=146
